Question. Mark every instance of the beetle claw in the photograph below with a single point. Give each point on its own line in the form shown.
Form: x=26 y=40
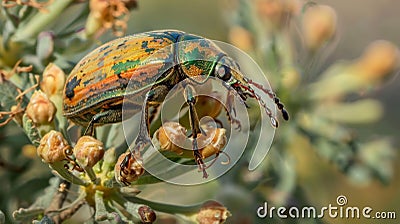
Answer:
x=199 y=160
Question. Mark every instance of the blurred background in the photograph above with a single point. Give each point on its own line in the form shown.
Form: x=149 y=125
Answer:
x=358 y=24
x=335 y=66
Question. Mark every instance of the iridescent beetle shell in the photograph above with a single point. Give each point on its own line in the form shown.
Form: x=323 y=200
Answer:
x=99 y=81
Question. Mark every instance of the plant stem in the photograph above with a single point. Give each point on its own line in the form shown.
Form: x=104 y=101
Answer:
x=167 y=208
x=36 y=24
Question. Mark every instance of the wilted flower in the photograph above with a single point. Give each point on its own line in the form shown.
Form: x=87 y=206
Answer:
x=53 y=80
x=319 y=25
x=52 y=147
x=40 y=109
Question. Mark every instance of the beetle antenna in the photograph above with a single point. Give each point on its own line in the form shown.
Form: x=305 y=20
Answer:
x=273 y=96
x=268 y=111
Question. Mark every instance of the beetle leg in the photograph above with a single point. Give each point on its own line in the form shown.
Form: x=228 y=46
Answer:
x=143 y=137
x=195 y=126
x=230 y=107
x=153 y=113
x=105 y=117
x=231 y=110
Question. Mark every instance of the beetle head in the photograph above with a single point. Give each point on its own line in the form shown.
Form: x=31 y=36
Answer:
x=228 y=71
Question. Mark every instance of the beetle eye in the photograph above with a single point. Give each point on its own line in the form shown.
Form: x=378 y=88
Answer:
x=223 y=72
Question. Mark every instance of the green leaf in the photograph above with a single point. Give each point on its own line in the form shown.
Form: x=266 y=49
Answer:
x=147 y=179
x=361 y=111
x=2 y=217
x=101 y=212
x=31 y=130
x=45 y=45
x=8 y=93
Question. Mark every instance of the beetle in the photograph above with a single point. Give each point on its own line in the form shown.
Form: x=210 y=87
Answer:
x=96 y=89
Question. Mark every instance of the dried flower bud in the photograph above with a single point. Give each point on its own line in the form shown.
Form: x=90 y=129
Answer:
x=291 y=78
x=214 y=145
x=212 y=212
x=241 y=38
x=88 y=151
x=18 y=113
x=108 y=14
x=52 y=147
x=131 y=171
x=53 y=80
x=171 y=137
x=319 y=25
x=147 y=215
x=209 y=105
x=45 y=45
x=379 y=59
x=29 y=151
x=40 y=109
x=275 y=13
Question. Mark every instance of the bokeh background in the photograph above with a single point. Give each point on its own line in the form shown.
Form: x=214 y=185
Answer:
x=299 y=171
x=358 y=24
